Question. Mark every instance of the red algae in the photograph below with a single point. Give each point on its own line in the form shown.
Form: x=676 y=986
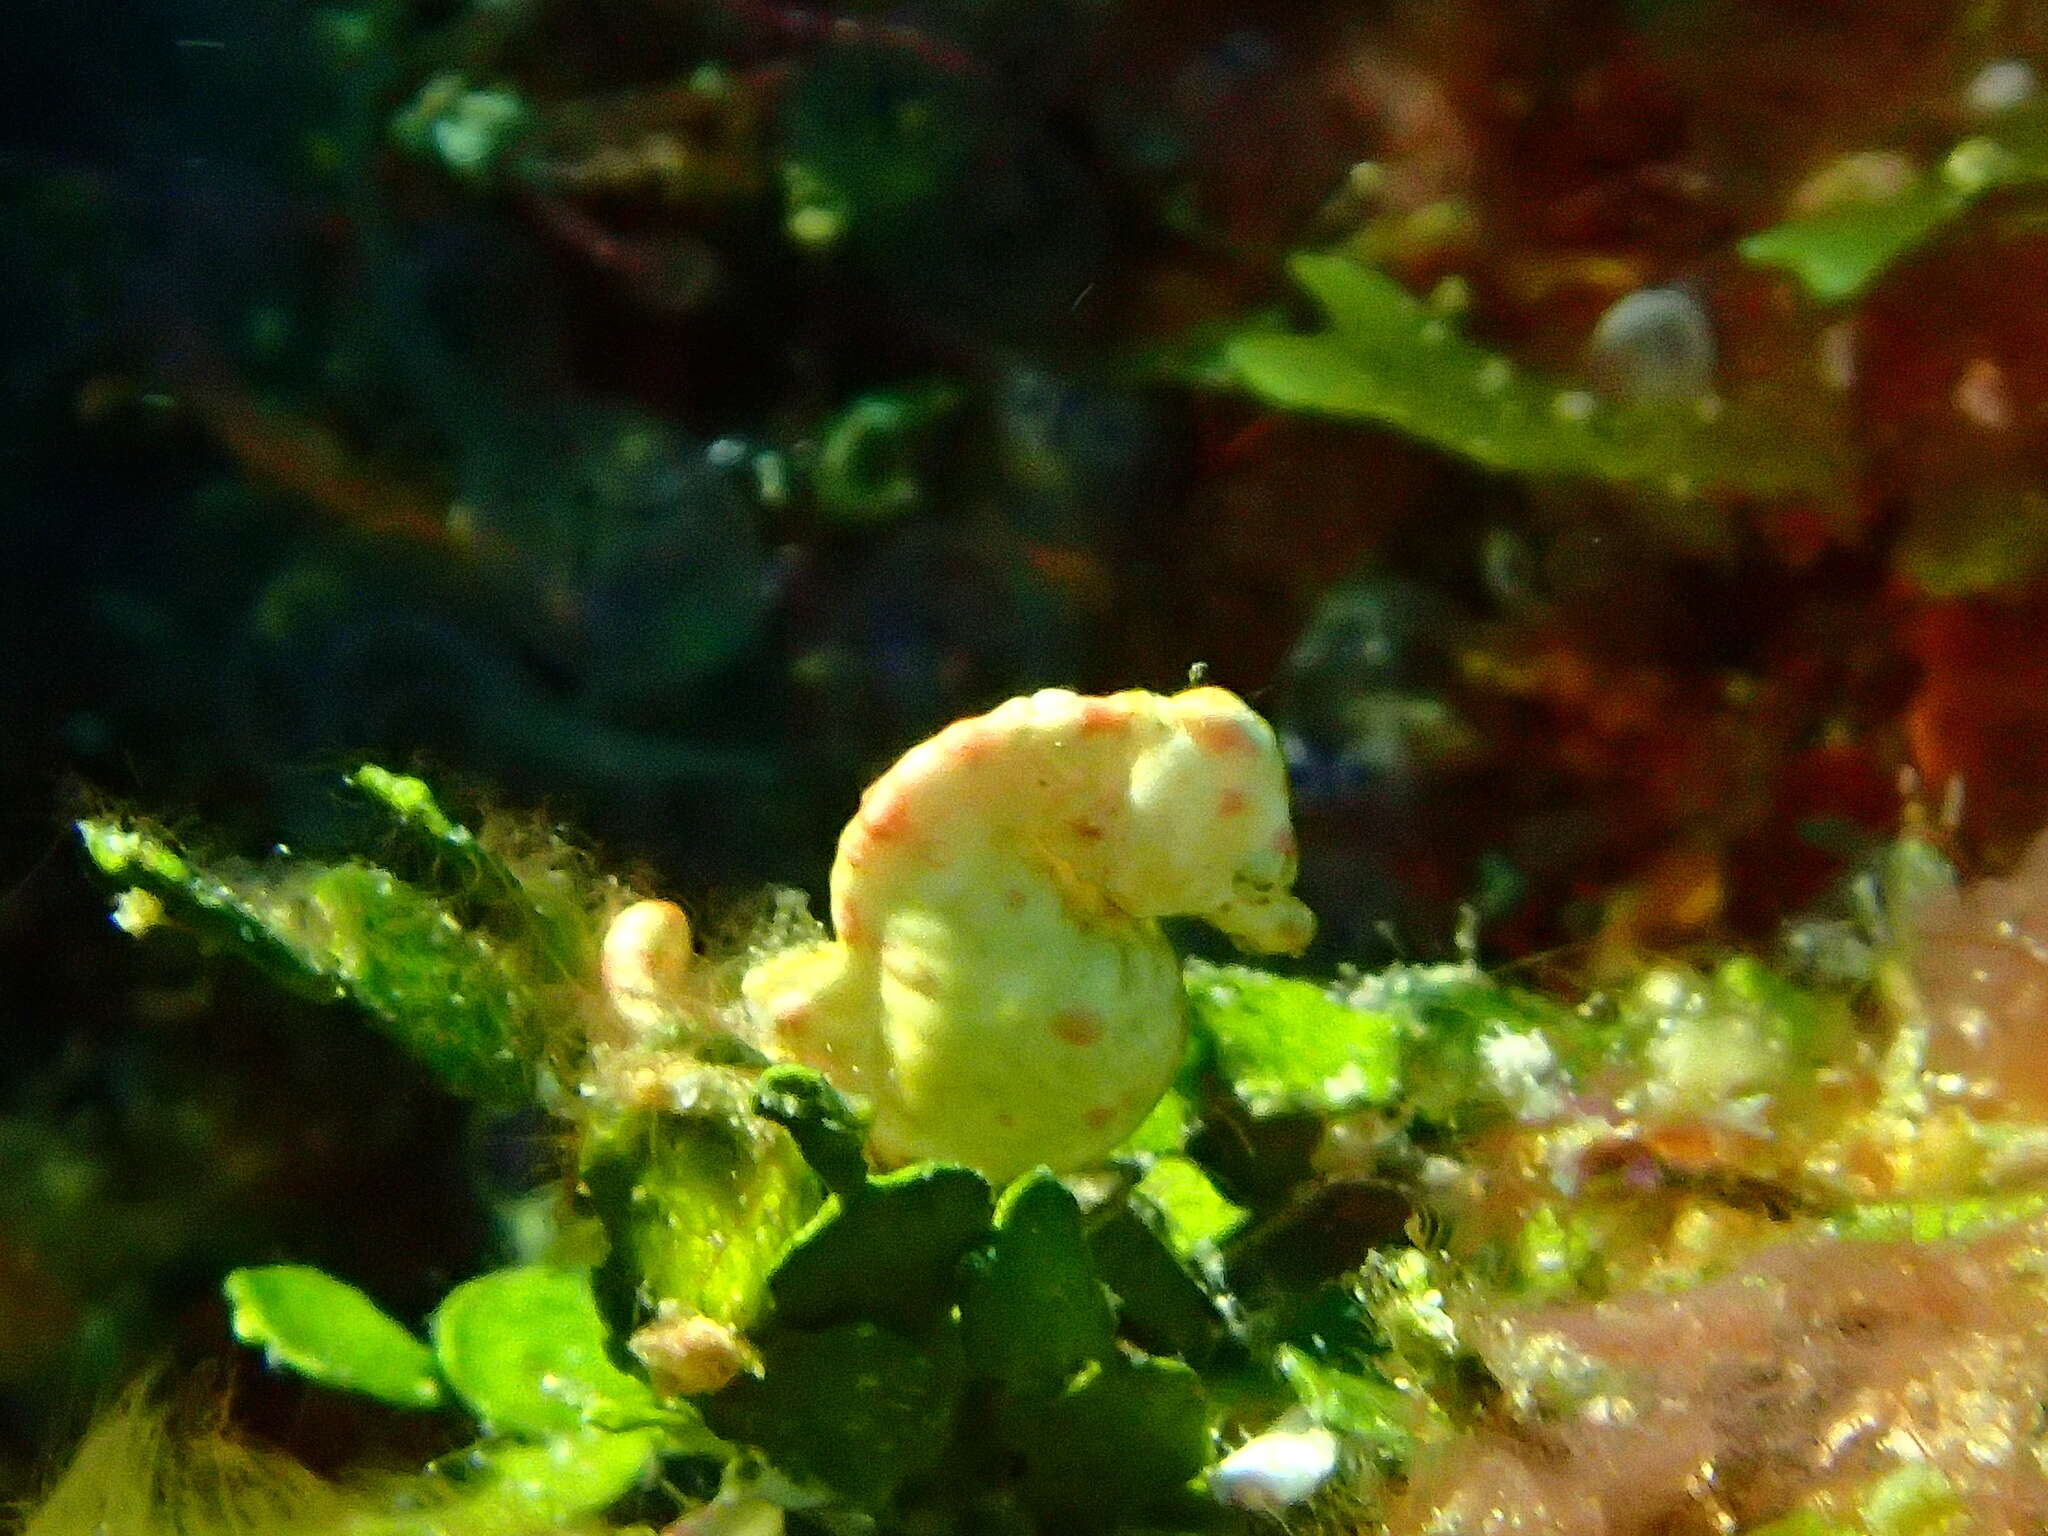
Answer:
x=1817 y=1366
x=1980 y=958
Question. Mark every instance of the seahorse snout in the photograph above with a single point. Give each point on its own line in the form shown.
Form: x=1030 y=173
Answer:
x=1264 y=920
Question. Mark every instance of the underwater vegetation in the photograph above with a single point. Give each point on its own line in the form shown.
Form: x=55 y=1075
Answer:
x=1751 y=1247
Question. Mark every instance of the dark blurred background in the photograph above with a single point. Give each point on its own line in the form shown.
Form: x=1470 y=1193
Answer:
x=660 y=413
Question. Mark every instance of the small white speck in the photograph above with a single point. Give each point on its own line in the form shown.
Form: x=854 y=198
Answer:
x=1276 y=1470
x=1573 y=405
x=1982 y=398
x=2000 y=86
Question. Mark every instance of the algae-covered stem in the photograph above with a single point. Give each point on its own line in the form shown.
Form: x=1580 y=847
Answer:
x=999 y=984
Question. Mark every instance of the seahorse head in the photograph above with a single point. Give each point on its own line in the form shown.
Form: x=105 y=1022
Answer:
x=1209 y=833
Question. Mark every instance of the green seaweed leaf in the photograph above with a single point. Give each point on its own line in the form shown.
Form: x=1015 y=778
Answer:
x=1032 y=1311
x=328 y=1331
x=1839 y=253
x=1164 y=1130
x=1386 y=358
x=526 y=1349
x=1121 y=1441
x=1162 y=1305
x=1286 y=1046
x=1472 y=1048
x=351 y=931
x=1196 y=1215
x=515 y=1490
x=1913 y=1499
x=859 y=1409
x=700 y=1209
x=828 y=1127
x=889 y=1253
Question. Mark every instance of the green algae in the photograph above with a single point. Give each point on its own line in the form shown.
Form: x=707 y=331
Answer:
x=1336 y=1217
x=456 y=969
x=1384 y=357
x=330 y=1332
x=1838 y=254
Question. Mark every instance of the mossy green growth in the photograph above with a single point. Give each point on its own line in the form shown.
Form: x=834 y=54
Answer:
x=145 y=1471
x=1939 y=1221
x=1321 y=1231
x=698 y=1208
x=544 y=907
x=466 y=994
x=1360 y=1405
x=1472 y=1048
x=1286 y=1045
x=1384 y=357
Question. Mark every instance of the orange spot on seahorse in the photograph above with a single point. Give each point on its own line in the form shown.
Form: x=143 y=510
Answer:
x=970 y=742
x=1080 y=1027
x=886 y=818
x=793 y=1020
x=1222 y=737
x=1099 y=716
x=1230 y=803
x=1098 y=1117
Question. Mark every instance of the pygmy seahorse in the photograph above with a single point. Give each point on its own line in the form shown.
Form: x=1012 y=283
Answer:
x=999 y=986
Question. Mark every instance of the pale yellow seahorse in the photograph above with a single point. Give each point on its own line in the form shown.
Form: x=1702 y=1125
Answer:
x=999 y=985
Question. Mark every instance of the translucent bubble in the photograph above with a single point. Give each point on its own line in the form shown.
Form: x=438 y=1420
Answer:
x=1653 y=344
